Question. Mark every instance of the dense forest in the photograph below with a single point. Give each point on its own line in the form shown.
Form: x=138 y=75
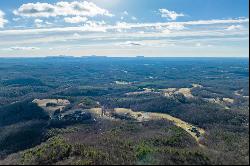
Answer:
x=209 y=93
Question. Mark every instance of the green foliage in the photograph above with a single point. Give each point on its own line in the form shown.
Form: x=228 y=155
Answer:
x=142 y=150
x=59 y=131
x=182 y=156
x=87 y=103
x=84 y=81
x=55 y=150
x=21 y=112
x=89 y=155
x=21 y=136
x=24 y=82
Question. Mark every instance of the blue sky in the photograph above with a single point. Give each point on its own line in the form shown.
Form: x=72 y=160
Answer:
x=197 y=28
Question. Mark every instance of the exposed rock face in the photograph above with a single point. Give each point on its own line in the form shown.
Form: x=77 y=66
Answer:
x=186 y=92
x=145 y=91
x=228 y=100
x=224 y=102
x=170 y=92
x=197 y=86
x=122 y=83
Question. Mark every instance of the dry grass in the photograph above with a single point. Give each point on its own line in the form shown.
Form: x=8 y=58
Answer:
x=146 y=116
x=60 y=104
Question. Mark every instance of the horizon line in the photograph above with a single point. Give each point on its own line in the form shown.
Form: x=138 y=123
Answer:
x=104 y=56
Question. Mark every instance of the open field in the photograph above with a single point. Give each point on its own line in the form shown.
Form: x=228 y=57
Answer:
x=51 y=105
x=147 y=116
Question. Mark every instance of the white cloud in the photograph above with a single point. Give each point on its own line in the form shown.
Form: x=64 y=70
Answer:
x=134 y=18
x=148 y=28
x=22 y=48
x=120 y=26
x=202 y=45
x=217 y=21
x=16 y=19
x=166 y=31
x=62 y=8
x=36 y=10
x=130 y=44
x=171 y=27
x=176 y=26
x=94 y=26
x=2 y=20
x=76 y=35
x=76 y=19
x=41 y=23
x=198 y=45
x=38 y=21
x=170 y=15
x=125 y=13
x=234 y=27
x=48 y=23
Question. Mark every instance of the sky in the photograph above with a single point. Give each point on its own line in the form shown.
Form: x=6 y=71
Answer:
x=124 y=28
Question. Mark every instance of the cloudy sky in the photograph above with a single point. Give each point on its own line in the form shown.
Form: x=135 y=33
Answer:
x=124 y=28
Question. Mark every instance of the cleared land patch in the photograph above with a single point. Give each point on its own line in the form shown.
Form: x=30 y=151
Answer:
x=51 y=105
x=194 y=131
